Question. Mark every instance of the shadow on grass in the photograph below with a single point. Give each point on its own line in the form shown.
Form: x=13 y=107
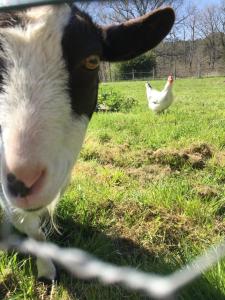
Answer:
x=123 y=252
x=116 y=250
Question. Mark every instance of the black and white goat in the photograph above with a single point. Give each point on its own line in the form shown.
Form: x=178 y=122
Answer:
x=49 y=61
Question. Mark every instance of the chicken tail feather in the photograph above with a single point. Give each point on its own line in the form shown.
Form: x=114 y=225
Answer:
x=149 y=85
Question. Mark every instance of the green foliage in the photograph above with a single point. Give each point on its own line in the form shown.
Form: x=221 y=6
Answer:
x=115 y=102
x=142 y=63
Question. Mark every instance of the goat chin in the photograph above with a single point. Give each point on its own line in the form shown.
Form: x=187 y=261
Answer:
x=38 y=225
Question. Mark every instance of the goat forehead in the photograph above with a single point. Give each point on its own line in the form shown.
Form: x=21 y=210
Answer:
x=34 y=68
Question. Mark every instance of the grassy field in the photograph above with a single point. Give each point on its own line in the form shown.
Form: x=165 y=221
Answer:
x=148 y=191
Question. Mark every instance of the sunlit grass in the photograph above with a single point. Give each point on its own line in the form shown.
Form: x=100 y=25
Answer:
x=148 y=191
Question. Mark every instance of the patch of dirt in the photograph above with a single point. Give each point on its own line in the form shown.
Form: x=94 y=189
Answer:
x=159 y=230
x=84 y=168
x=143 y=174
x=143 y=165
x=220 y=159
x=206 y=192
x=219 y=227
x=122 y=156
x=149 y=172
x=195 y=156
x=202 y=149
x=106 y=174
x=116 y=155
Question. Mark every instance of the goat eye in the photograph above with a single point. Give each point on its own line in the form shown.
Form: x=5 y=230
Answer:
x=92 y=62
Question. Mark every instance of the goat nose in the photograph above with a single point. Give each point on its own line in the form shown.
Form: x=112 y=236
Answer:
x=16 y=187
x=21 y=182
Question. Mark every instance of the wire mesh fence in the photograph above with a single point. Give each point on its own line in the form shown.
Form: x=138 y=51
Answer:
x=83 y=265
x=134 y=75
x=108 y=74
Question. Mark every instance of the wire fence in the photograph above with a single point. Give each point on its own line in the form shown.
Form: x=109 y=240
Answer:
x=108 y=74
x=138 y=75
x=83 y=265
x=134 y=75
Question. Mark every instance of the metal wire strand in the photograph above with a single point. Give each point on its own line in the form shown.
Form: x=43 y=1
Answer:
x=81 y=264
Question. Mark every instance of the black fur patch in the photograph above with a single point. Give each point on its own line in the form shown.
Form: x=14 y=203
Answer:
x=81 y=39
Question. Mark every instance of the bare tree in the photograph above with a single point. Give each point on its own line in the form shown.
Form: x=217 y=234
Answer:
x=117 y=11
x=208 y=29
x=190 y=26
x=220 y=25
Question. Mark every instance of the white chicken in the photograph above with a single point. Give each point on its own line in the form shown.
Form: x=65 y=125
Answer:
x=158 y=101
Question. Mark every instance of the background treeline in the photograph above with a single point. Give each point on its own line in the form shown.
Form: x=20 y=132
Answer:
x=195 y=46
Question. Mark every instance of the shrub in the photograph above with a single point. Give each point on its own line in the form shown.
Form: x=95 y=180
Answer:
x=113 y=101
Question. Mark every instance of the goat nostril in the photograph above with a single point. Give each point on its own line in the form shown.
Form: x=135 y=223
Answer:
x=22 y=190
x=11 y=178
x=16 y=187
x=28 y=175
x=23 y=184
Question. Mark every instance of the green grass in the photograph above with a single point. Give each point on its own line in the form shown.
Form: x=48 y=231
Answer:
x=148 y=191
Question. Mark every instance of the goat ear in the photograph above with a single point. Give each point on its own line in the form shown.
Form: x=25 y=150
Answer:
x=134 y=37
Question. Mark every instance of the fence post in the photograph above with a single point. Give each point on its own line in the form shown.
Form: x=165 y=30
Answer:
x=110 y=72
x=199 y=70
x=153 y=73
x=133 y=74
x=175 y=69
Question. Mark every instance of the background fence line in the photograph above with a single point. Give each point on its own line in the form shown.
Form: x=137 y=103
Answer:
x=107 y=74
